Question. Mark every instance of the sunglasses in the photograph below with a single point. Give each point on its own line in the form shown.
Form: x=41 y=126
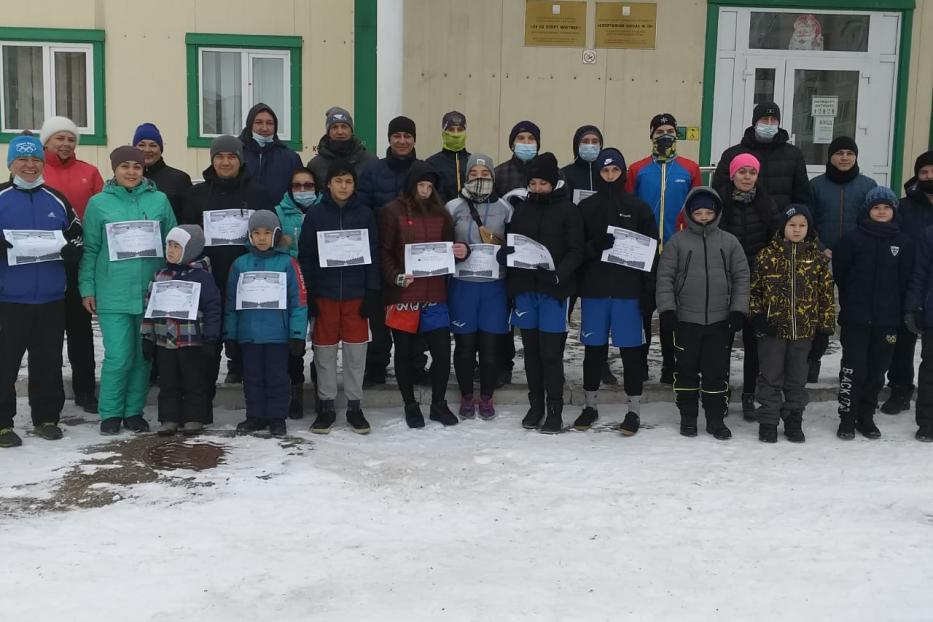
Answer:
x=303 y=186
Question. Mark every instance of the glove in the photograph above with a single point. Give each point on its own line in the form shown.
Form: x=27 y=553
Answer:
x=209 y=349
x=71 y=253
x=370 y=304
x=819 y=345
x=605 y=243
x=736 y=321
x=647 y=303
x=762 y=326
x=503 y=253
x=149 y=349
x=232 y=348
x=296 y=348
x=4 y=245
x=313 y=311
x=668 y=321
x=910 y=321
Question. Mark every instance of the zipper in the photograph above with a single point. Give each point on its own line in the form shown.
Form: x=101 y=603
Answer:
x=457 y=169
x=340 y=225
x=793 y=291
x=662 y=224
x=706 y=267
x=842 y=207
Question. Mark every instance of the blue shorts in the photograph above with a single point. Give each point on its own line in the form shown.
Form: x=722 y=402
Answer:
x=433 y=316
x=540 y=311
x=621 y=316
x=478 y=306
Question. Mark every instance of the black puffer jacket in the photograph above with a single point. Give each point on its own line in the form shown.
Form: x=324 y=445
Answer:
x=171 y=181
x=580 y=174
x=552 y=220
x=451 y=167
x=783 y=172
x=754 y=224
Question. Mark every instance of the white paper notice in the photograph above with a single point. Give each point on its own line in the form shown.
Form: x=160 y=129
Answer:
x=261 y=290
x=174 y=299
x=823 y=130
x=579 y=195
x=481 y=264
x=631 y=249
x=134 y=238
x=226 y=227
x=33 y=246
x=429 y=259
x=529 y=255
x=343 y=247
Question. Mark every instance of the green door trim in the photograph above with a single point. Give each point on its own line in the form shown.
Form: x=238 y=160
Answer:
x=365 y=22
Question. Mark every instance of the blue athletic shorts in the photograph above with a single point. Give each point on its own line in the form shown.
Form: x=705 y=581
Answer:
x=540 y=311
x=477 y=306
x=433 y=316
x=621 y=316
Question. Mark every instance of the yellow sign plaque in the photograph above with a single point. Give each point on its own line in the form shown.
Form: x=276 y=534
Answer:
x=631 y=25
x=555 y=24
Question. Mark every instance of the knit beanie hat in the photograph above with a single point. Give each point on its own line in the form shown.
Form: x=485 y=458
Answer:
x=402 y=124
x=879 y=195
x=743 y=159
x=54 y=125
x=339 y=167
x=925 y=159
x=191 y=240
x=481 y=159
x=766 y=109
x=227 y=144
x=126 y=153
x=665 y=118
x=24 y=146
x=148 y=131
x=453 y=118
x=337 y=115
x=610 y=156
x=842 y=142
x=525 y=126
x=543 y=166
x=795 y=209
x=703 y=197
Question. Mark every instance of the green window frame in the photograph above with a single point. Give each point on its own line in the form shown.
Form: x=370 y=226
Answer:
x=250 y=46
x=53 y=41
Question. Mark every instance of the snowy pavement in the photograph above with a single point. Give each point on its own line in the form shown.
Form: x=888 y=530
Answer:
x=483 y=521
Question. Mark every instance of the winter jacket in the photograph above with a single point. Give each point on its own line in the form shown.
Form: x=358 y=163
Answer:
x=494 y=214
x=580 y=174
x=664 y=186
x=871 y=267
x=616 y=208
x=510 y=175
x=171 y=181
x=215 y=193
x=915 y=210
x=42 y=209
x=920 y=290
x=554 y=221
x=383 y=180
x=120 y=286
x=171 y=333
x=328 y=151
x=792 y=286
x=753 y=224
x=267 y=325
x=451 y=167
x=836 y=206
x=271 y=166
x=783 y=172
x=345 y=283
x=292 y=218
x=74 y=178
x=703 y=274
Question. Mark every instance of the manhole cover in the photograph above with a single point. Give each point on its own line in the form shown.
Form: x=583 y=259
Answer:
x=180 y=455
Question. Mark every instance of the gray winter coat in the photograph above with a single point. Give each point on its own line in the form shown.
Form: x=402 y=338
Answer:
x=703 y=274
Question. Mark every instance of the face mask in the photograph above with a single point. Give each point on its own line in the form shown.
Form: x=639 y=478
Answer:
x=307 y=199
x=454 y=141
x=664 y=147
x=19 y=182
x=479 y=188
x=525 y=151
x=589 y=152
x=925 y=186
x=765 y=132
x=263 y=140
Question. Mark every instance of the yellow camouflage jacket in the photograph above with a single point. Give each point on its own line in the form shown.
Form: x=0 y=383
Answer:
x=792 y=286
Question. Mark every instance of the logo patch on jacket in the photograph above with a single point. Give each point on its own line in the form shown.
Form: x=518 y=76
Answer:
x=51 y=214
x=891 y=339
x=895 y=250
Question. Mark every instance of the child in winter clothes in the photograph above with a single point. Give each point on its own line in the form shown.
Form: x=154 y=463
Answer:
x=265 y=334
x=791 y=302
x=183 y=348
x=871 y=267
x=919 y=320
x=702 y=295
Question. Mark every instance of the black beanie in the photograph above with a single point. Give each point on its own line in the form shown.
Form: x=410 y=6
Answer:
x=525 y=126
x=340 y=167
x=795 y=209
x=925 y=159
x=543 y=166
x=402 y=124
x=766 y=109
x=842 y=142
x=665 y=118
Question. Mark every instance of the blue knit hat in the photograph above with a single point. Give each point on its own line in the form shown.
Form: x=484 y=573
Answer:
x=610 y=156
x=148 y=131
x=24 y=146
x=879 y=195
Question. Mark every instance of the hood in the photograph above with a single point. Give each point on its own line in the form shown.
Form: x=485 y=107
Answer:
x=246 y=136
x=328 y=148
x=712 y=225
x=911 y=190
x=584 y=129
x=418 y=169
x=750 y=142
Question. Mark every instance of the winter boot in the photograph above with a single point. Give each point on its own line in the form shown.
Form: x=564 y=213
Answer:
x=925 y=434
x=867 y=428
x=49 y=431
x=296 y=407
x=324 y=421
x=535 y=413
x=630 y=424
x=110 y=426
x=192 y=428
x=748 y=407
x=607 y=376
x=767 y=432
x=467 y=407
x=813 y=372
x=357 y=421
x=441 y=413
x=586 y=419
x=898 y=401
x=793 y=426
x=413 y=416
x=846 y=430
x=136 y=424
x=716 y=426
x=168 y=428
x=9 y=438
x=277 y=427
x=689 y=407
x=251 y=424
x=87 y=402
x=553 y=423
x=688 y=425
x=487 y=409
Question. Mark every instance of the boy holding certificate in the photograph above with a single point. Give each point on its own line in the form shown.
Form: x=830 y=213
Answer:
x=181 y=330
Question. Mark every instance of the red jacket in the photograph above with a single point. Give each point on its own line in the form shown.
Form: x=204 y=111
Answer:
x=396 y=229
x=74 y=178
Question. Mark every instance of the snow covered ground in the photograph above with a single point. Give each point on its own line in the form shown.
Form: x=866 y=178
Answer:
x=484 y=521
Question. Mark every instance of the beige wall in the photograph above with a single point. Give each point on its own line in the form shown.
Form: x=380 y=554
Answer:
x=145 y=59
x=920 y=89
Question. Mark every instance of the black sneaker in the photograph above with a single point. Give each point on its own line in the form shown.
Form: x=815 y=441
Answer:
x=867 y=428
x=88 y=403
x=688 y=425
x=553 y=423
x=136 y=424
x=324 y=422
x=607 y=376
x=413 y=416
x=277 y=427
x=586 y=419
x=718 y=429
x=846 y=431
x=767 y=432
x=49 y=431
x=667 y=376
x=748 y=407
x=9 y=438
x=371 y=379
x=233 y=377
x=813 y=372
x=441 y=413
x=925 y=434
x=251 y=424
x=111 y=426
x=358 y=422
x=630 y=424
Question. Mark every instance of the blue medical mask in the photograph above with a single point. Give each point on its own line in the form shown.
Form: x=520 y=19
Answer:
x=589 y=152
x=19 y=182
x=263 y=140
x=307 y=199
x=765 y=132
x=525 y=151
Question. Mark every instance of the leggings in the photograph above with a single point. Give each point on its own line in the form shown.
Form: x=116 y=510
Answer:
x=487 y=344
x=633 y=373
x=408 y=345
x=544 y=363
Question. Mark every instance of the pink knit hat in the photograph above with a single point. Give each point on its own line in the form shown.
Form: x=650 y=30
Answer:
x=743 y=159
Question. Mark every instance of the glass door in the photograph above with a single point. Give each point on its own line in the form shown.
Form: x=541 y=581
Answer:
x=764 y=82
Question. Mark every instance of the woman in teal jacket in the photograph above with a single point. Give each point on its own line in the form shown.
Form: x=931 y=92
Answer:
x=115 y=288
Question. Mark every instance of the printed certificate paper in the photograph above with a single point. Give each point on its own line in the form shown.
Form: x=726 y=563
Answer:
x=174 y=299
x=481 y=263
x=528 y=254
x=631 y=249
x=429 y=259
x=134 y=238
x=33 y=246
x=226 y=227
x=344 y=247
x=261 y=290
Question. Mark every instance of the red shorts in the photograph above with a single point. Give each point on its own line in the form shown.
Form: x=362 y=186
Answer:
x=338 y=321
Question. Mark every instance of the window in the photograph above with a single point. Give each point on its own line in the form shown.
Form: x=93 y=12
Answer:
x=813 y=32
x=229 y=74
x=49 y=72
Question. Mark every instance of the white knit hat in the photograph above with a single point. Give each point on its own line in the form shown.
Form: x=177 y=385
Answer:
x=54 y=125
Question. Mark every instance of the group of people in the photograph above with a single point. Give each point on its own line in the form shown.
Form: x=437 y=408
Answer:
x=759 y=251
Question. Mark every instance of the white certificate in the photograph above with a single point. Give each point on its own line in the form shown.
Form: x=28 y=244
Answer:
x=343 y=247
x=579 y=195
x=261 y=290
x=226 y=227
x=174 y=299
x=429 y=259
x=481 y=264
x=134 y=238
x=631 y=249
x=529 y=254
x=33 y=246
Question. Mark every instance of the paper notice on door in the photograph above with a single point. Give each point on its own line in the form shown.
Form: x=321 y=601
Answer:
x=823 y=130
x=824 y=105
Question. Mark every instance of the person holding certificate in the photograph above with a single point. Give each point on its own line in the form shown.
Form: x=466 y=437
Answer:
x=479 y=307
x=38 y=230
x=124 y=226
x=418 y=306
x=548 y=218
x=614 y=296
